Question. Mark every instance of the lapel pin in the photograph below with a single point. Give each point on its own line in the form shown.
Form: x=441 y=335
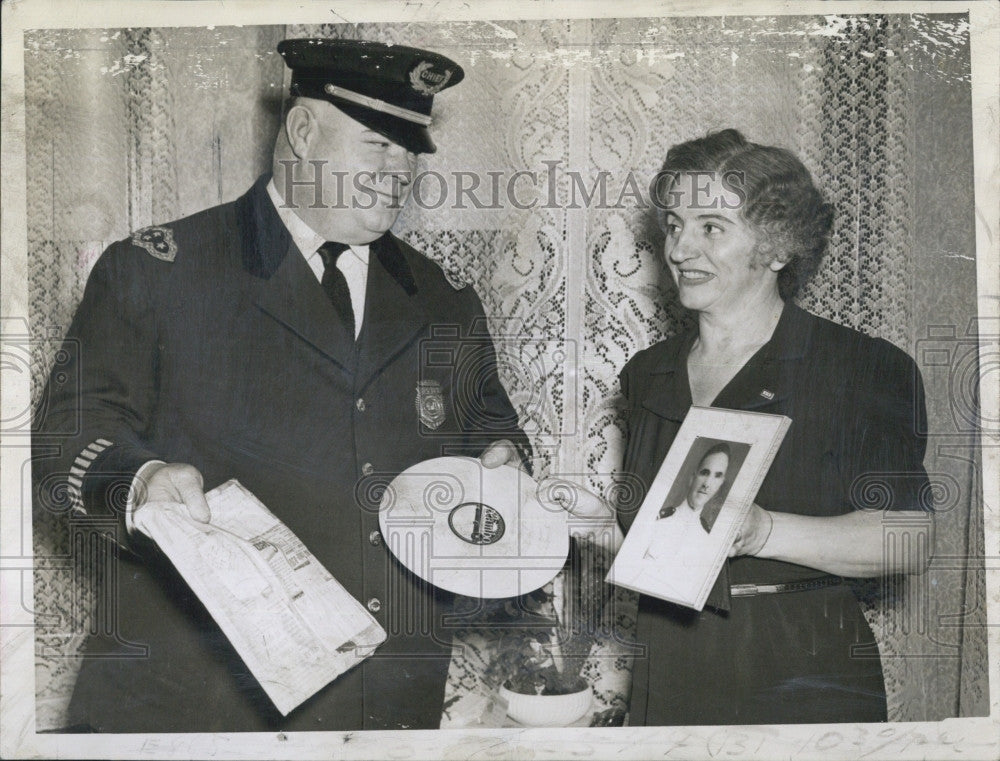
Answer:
x=767 y=394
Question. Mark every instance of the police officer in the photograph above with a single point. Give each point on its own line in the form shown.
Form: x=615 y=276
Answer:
x=282 y=340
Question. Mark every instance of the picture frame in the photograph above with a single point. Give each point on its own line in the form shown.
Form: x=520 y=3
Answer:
x=696 y=504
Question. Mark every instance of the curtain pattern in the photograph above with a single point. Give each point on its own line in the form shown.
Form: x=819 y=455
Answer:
x=137 y=126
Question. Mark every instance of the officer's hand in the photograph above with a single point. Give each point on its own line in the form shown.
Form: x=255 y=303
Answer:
x=173 y=483
x=501 y=452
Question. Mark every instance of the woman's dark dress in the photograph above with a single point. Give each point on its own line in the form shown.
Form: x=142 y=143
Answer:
x=857 y=408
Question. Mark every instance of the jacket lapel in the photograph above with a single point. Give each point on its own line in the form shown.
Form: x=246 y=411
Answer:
x=669 y=392
x=283 y=285
x=394 y=313
x=763 y=382
x=767 y=379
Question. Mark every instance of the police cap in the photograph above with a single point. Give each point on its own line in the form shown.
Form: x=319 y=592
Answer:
x=388 y=88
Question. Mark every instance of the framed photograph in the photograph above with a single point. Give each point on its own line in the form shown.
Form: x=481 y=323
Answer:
x=696 y=503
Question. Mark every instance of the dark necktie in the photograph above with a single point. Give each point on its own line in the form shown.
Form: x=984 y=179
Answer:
x=335 y=284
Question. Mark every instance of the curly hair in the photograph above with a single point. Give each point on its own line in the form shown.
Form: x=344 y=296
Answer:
x=780 y=201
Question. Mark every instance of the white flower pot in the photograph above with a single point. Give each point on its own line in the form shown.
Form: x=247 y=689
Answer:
x=547 y=710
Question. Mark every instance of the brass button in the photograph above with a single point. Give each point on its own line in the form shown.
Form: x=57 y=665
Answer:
x=360 y=404
x=374 y=605
x=375 y=538
x=367 y=469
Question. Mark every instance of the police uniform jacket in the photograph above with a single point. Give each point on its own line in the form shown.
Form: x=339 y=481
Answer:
x=209 y=341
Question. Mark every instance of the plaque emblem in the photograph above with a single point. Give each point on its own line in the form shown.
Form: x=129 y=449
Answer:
x=158 y=242
x=476 y=523
x=430 y=403
x=426 y=81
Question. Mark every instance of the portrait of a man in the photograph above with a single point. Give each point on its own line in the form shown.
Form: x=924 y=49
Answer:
x=705 y=483
x=683 y=525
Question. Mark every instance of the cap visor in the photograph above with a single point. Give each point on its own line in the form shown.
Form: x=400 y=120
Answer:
x=414 y=137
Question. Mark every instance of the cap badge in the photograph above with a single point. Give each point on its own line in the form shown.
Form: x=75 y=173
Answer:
x=426 y=81
x=430 y=403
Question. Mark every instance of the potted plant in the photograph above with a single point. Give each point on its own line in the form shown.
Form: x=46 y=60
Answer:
x=538 y=661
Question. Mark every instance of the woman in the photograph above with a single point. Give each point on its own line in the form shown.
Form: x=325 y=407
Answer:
x=782 y=639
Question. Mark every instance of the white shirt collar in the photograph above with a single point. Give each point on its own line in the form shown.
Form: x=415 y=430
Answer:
x=307 y=240
x=688 y=510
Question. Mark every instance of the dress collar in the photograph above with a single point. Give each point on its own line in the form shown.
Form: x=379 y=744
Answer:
x=762 y=382
x=790 y=341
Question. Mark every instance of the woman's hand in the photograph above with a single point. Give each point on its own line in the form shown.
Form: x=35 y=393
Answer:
x=597 y=517
x=754 y=532
x=577 y=500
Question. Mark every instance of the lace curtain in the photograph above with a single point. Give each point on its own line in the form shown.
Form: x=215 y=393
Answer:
x=135 y=126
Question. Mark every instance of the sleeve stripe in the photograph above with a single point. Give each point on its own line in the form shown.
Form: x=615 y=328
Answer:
x=76 y=499
x=78 y=471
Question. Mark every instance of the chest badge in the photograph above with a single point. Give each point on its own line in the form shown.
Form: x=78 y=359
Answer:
x=769 y=395
x=430 y=403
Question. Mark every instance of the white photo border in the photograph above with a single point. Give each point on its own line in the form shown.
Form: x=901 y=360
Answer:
x=965 y=738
